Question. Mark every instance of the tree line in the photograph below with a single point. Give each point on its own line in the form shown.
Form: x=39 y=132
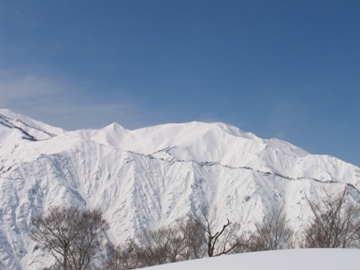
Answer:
x=73 y=236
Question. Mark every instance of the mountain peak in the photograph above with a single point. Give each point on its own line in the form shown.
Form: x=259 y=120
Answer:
x=24 y=127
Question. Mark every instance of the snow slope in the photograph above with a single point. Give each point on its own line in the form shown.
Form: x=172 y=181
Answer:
x=151 y=176
x=300 y=259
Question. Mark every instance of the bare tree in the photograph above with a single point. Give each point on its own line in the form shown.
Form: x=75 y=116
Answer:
x=125 y=257
x=273 y=232
x=194 y=235
x=189 y=238
x=335 y=222
x=164 y=245
x=71 y=235
x=219 y=241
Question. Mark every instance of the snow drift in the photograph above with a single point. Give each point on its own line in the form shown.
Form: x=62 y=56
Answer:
x=300 y=259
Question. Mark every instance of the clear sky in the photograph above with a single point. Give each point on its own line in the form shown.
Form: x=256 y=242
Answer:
x=280 y=68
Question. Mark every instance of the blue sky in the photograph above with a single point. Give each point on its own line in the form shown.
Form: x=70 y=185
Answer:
x=284 y=69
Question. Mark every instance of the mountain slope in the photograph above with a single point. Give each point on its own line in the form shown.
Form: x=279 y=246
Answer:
x=151 y=176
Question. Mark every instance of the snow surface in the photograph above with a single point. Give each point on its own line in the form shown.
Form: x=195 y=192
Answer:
x=299 y=259
x=149 y=177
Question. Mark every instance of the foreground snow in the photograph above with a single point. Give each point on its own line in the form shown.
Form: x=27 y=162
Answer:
x=298 y=259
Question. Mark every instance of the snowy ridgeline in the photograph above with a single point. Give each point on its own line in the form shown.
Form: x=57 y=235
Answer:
x=299 y=259
x=149 y=177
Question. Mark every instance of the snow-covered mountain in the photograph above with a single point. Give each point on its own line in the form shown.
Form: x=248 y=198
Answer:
x=151 y=176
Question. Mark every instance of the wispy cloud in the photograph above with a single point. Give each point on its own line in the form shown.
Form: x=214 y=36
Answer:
x=14 y=88
x=63 y=104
